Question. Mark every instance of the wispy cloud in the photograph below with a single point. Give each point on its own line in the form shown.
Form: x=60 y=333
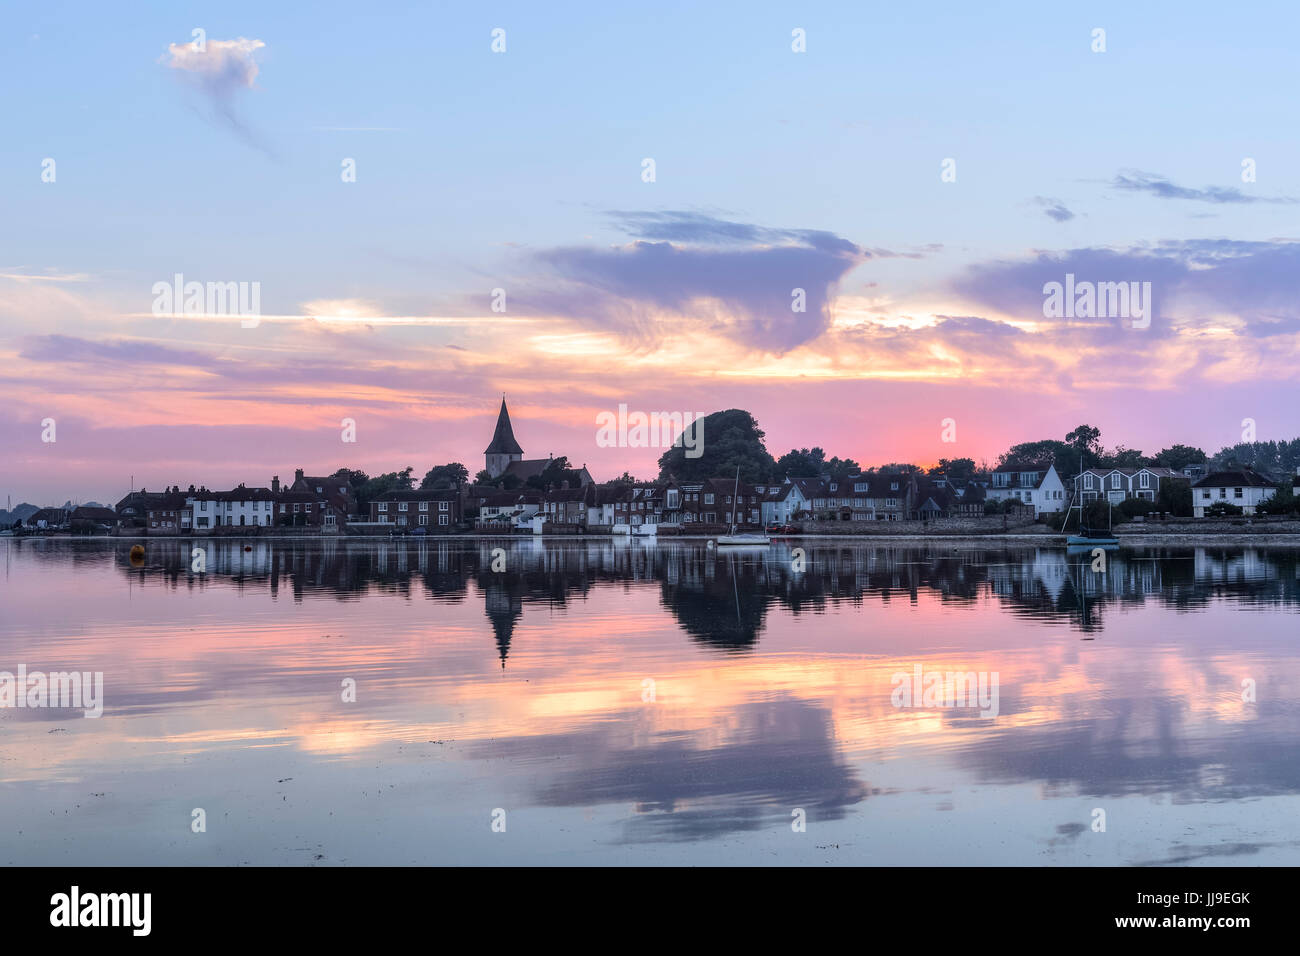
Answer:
x=1155 y=185
x=220 y=69
x=1054 y=209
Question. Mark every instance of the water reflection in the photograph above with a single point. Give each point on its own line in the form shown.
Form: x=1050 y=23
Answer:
x=769 y=691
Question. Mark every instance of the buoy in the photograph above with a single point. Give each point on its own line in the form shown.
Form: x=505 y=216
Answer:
x=248 y=547
x=137 y=554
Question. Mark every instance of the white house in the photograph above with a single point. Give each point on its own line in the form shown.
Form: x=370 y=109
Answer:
x=242 y=507
x=1034 y=485
x=1244 y=488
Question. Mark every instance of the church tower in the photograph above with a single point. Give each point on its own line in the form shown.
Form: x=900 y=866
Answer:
x=504 y=449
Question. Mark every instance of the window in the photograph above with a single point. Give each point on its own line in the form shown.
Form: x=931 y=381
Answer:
x=1206 y=494
x=708 y=498
x=383 y=506
x=1145 y=481
x=1114 y=480
x=442 y=519
x=443 y=506
x=424 y=506
x=402 y=506
x=296 y=507
x=424 y=519
x=893 y=486
x=1236 y=492
x=1087 y=481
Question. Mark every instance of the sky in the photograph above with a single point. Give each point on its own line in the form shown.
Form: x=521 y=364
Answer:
x=379 y=170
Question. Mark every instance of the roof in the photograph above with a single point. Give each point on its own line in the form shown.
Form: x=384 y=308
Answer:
x=1245 y=477
x=90 y=513
x=503 y=439
x=242 y=493
x=418 y=494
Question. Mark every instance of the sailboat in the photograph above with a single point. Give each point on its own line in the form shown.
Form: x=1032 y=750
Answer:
x=732 y=539
x=1087 y=537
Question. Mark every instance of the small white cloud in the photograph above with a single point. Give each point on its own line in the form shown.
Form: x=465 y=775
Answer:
x=220 y=69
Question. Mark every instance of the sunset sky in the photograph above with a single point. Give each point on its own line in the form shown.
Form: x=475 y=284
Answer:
x=522 y=171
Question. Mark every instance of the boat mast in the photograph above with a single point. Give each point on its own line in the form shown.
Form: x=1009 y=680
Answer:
x=734 y=492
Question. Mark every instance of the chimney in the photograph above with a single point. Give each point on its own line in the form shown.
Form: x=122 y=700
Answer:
x=297 y=476
x=275 y=484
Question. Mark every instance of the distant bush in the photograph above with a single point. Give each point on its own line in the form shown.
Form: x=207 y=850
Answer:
x=1223 y=509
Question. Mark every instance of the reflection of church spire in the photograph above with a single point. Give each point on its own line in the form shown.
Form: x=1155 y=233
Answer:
x=503 y=610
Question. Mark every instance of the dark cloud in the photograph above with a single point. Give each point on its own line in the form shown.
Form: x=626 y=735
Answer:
x=1156 y=185
x=1259 y=282
x=732 y=278
x=1054 y=209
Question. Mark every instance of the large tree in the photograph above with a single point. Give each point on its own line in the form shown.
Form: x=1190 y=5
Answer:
x=1179 y=457
x=727 y=440
x=445 y=476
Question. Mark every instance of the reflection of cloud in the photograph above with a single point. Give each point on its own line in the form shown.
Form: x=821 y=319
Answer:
x=778 y=755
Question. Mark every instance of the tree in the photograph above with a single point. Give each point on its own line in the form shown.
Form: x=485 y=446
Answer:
x=957 y=469
x=1085 y=440
x=1121 y=457
x=1283 y=501
x=554 y=475
x=372 y=488
x=482 y=478
x=839 y=469
x=1175 y=497
x=801 y=463
x=1179 y=457
x=727 y=440
x=445 y=476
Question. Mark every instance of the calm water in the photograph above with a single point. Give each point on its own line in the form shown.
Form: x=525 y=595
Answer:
x=631 y=702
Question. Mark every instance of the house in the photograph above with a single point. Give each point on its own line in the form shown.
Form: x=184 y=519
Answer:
x=509 y=507
x=1119 y=484
x=567 y=505
x=241 y=507
x=169 y=512
x=48 y=519
x=336 y=490
x=93 y=518
x=600 y=509
x=310 y=509
x=435 y=510
x=1243 y=487
x=1028 y=483
x=133 y=509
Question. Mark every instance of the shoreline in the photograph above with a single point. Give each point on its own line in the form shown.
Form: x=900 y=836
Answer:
x=1050 y=538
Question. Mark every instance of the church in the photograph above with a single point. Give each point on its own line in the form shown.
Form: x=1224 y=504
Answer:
x=505 y=456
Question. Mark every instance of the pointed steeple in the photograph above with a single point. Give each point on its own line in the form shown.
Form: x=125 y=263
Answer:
x=503 y=439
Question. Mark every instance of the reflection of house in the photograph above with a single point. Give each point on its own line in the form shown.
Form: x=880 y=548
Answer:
x=1244 y=488
x=432 y=509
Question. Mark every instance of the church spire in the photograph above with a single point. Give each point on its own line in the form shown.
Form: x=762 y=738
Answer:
x=503 y=439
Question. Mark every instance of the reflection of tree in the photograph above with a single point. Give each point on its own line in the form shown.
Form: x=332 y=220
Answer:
x=719 y=599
